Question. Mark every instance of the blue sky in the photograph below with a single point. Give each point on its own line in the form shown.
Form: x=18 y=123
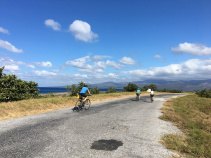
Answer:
x=59 y=43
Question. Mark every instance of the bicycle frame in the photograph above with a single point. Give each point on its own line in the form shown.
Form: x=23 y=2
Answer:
x=80 y=105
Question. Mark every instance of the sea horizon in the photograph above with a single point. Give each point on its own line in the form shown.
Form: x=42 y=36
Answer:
x=45 y=90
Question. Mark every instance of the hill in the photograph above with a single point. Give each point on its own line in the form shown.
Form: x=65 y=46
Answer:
x=192 y=85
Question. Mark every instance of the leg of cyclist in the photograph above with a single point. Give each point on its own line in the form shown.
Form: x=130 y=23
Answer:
x=85 y=97
x=84 y=100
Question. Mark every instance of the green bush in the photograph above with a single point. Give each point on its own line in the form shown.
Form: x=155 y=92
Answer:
x=151 y=86
x=204 y=93
x=111 y=90
x=131 y=87
x=74 y=89
x=171 y=91
x=13 y=89
x=164 y=90
x=95 y=90
x=175 y=91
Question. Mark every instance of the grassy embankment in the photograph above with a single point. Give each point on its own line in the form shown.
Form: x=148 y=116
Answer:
x=49 y=103
x=191 y=114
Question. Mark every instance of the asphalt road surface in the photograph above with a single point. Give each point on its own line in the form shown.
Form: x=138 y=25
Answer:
x=124 y=128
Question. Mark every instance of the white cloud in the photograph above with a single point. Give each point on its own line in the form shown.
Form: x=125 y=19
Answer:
x=56 y=71
x=80 y=76
x=45 y=73
x=80 y=62
x=192 y=49
x=189 y=70
x=9 y=46
x=99 y=57
x=44 y=64
x=113 y=75
x=99 y=71
x=114 y=64
x=92 y=71
x=100 y=64
x=11 y=68
x=15 y=64
x=157 y=57
x=82 y=31
x=30 y=66
x=4 y=30
x=127 y=60
x=53 y=24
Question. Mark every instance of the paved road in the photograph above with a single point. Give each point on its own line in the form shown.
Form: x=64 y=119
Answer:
x=123 y=128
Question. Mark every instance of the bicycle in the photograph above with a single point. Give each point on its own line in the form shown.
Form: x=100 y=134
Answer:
x=137 y=96
x=80 y=105
x=151 y=98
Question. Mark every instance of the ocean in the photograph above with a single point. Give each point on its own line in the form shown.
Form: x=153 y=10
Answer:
x=44 y=90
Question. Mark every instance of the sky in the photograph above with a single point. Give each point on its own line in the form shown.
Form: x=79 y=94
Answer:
x=59 y=43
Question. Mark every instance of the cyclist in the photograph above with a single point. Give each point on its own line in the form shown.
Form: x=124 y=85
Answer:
x=83 y=93
x=138 y=92
x=152 y=95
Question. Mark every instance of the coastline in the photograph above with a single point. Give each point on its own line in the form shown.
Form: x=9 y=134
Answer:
x=59 y=94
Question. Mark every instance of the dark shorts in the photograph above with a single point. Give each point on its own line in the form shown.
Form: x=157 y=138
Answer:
x=83 y=95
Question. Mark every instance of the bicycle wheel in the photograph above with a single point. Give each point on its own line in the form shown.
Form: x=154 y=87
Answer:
x=137 y=97
x=87 y=104
x=151 y=98
x=77 y=105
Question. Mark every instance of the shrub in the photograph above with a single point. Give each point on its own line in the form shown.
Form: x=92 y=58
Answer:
x=151 y=86
x=204 y=93
x=74 y=89
x=164 y=90
x=175 y=91
x=95 y=90
x=131 y=87
x=13 y=89
x=111 y=90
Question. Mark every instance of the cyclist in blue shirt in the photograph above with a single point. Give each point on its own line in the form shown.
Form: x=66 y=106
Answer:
x=83 y=92
x=138 y=92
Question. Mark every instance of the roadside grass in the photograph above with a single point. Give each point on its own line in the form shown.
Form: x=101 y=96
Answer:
x=53 y=102
x=191 y=114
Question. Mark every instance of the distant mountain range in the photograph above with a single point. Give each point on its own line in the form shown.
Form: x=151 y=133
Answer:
x=192 y=85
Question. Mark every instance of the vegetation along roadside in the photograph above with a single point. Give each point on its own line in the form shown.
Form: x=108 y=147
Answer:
x=191 y=114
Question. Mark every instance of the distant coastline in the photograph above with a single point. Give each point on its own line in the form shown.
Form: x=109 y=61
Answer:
x=45 y=90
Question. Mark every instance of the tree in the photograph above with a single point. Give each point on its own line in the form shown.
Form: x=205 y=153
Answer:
x=164 y=90
x=145 y=88
x=95 y=90
x=111 y=90
x=175 y=91
x=74 y=89
x=151 y=86
x=204 y=93
x=131 y=87
x=13 y=89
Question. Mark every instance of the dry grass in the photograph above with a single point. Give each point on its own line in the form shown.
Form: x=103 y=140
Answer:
x=192 y=115
x=53 y=102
